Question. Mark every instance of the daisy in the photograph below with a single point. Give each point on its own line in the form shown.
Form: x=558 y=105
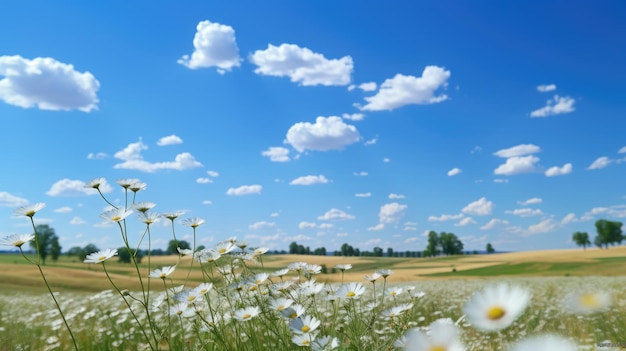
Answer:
x=162 y=273
x=29 y=210
x=247 y=313
x=126 y=183
x=393 y=292
x=397 y=310
x=144 y=206
x=343 y=267
x=587 y=302
x=207 y=255
x=302 y=339
x=280 y=272
x=372 y=278
x=225 y=247
x=95 y=183
x=443 y=336
x=136 y=186
x=184 y=252
x=351 y=290
x=242 y=244
x=296 y=266
x=100 y=256
x=172 y=215
x=187 y=296
x=293 y=311
x=385 y=272
x=496 y=307
x=192 y=222
x=546 y=342
x=148 y=217
x=17 y=240
x=203 y=288
x=179 y=308
x=260 y=251
x=304 y=324
x=325 y=343
x=280 y=303
x=115 y=215
x=312 y=269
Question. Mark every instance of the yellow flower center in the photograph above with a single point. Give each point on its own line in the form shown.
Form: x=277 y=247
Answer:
x=30 y=213
x=305 y=342
x=222 y=251
x=102 y=258
x=19 y=243
x=246 y=316
x=437 y=348
x=495 y=313
x=293 y=315
x=280 y=308
x=351 y=294
x=162 y=276
x=589 y=300
x=305 y=329
x=116 y=218
x=191 y=298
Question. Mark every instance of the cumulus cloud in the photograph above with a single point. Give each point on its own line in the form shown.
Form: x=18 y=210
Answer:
x=545 y=226
x=309 y=180
x=369 y=86
x=518 y=150
x=133 y=159
x=212 y=174
x=379 y=226
x=360 y=174
x=517 y=165
x=214 y=46
x=465 y=221
x=480 y=207
x=97 y=156
x=326 y=225
x=371 y=141
x=261 y=225
x=404 y=90
x=600 y=162
x=335 y=214
x=544 y=88
x=495 y=223
x=245 y=190
x=569 y=218
x=77 y=220
x=525 y=212
x=368 y=194
x=47 y=84
x=534 y=200
x=557 y=171
x=70 y=187
x=391 y=212
x=555 y=106
x=9 y=200
x=305 y=225
x=302 y=65
x=353 y=116
x=454 y=171
x=170 y=140
x=64 y=209
x=445 y=217
x=396 y=196
x=622 y=150
x=327 y=133
x=277 y=154
x=204 y=180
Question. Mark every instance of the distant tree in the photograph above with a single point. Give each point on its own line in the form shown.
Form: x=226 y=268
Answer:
x=46 y=243
x=173 y=245
x=88 y=249
x=390 y=252
x=74 y=251
x=609 y=232
x=598 y=241
x=581 y=239
x=200 y=247
x=432 y=247
x=124 y=255
x=490 y=248
x=293 y=248
x=450 y=244
x=378 y=252
x=355 y=252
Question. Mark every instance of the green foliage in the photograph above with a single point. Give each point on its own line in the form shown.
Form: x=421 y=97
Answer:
x=173 y=245
x=581 y=239
x=46 y=243
x=125 y=255
x=490 y=249
x=445 y=243
x=609 y=233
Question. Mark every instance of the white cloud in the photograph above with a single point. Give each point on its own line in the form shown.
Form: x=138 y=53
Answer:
x=500 y=180
x=600 y=162
x=327 y=133
x=64 y=209
x=302 y=65
x=404 y=90
x=334 y=214
x=391 y=212
x=454 y=171
x=534 y=200
x=131 y=155
x=371 y=141
x=369 y=86
x=275 y=214
x=353 y=116
x=569 y=218
x=97 y=156
x=9 y=200
x=379 y=226
x=214 y=46
x=305 y=225
x=556 y=106
x=622 y=150
x=46 y=83
x=212 y=174
x=386 y=160
x=544 y=88
x=204 y=180
x=326 y=225
x=410 y=226
x=368 y=194
x=170 y=140
x=525 y=212
x=517 y=165
x=245 y=190
x=207 y=202
x=77 y=220
x=309 y=180
x=518 y=150
x=495 y=223
x=277 y=154
x=480 y=207
x=396 y=196
x=360 y=174
x=465 y=221
x=544 y=226
x=445 y=217
x=69 y=187
x=557 y=171
x=261 y=225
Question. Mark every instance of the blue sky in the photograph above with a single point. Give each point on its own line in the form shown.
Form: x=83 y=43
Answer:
x=322 y=122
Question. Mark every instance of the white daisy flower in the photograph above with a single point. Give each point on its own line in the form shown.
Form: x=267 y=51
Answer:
x=100 y=256
x=115 y=215
x=443 y=336
x=245 y=314
x=17 y=240
x=304 y=324
x=587 y=302
x=162 y=273
x=325 y=343
x=343 y=267
x=29 y=210
x=547 y=342
x=496 y=307
x=351 y=290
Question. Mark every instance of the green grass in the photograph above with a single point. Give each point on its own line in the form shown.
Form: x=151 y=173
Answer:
x=603 y=267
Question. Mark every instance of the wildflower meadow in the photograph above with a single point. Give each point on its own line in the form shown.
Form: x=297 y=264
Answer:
x=238 y=303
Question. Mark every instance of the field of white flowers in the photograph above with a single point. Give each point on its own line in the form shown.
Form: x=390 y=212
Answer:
x=240 y=306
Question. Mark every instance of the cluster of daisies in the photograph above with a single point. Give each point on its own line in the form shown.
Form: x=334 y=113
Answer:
x=242 y=306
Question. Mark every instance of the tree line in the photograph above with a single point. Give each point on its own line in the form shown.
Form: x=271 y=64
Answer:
x=608 y=233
